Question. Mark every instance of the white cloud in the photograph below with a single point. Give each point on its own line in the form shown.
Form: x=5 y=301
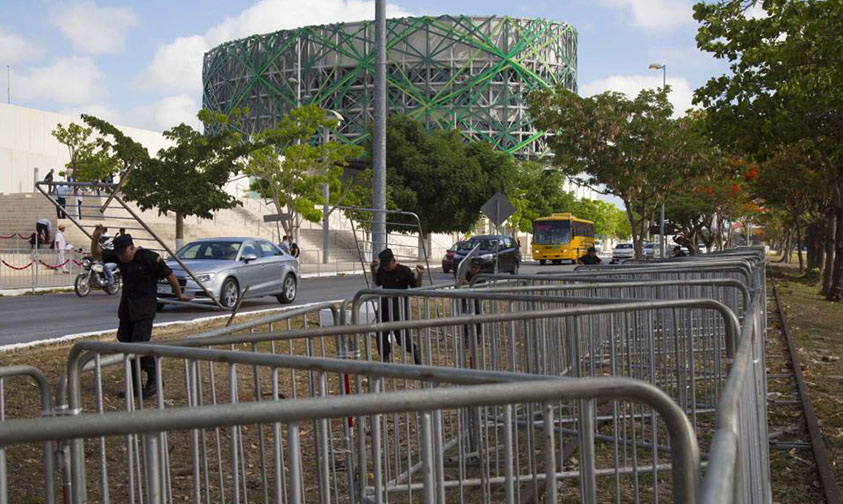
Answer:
x=680 y=95
x=165 y=113
x=92 y=29
x=15 y=48
x=177 y=66
x=756 y=11
x=157 y=116
x=655 y=14
x=67 y=80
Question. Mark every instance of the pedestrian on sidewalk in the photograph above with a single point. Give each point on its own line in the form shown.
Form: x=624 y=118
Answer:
x=49 y=180
x=141 y=269
x=78 y=192
x=387 y=273
x=42 y=230
x=678 y=252
x=61 y=246
x=61 y=198
x=284 y=245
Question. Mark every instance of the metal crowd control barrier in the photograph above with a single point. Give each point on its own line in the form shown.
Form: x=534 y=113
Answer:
x=693 y=329
x=46 y=409
x=518 y=449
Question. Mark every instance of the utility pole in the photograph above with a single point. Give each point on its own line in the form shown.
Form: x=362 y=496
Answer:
x=379 y=140
x=663 y=68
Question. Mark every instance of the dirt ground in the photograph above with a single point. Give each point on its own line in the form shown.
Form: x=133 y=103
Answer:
x=816 y=326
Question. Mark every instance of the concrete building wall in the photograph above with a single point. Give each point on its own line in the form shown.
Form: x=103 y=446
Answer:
x=28 y=149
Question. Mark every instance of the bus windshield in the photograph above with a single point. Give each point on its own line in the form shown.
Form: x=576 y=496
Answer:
x=552 y=232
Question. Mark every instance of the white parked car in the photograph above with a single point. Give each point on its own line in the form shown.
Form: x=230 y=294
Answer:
x=623 y=251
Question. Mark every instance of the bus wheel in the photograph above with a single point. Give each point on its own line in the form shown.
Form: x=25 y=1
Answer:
x=542 y=262
x=556 y=261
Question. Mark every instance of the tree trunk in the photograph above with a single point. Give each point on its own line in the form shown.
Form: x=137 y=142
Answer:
x=786 y=250
x=637 y=231
x=835 y=293
x=179 y=230
x=799 y=248
x=815 y=245
x=828 y=268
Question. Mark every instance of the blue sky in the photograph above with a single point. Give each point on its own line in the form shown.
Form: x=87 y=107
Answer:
x=138 y=63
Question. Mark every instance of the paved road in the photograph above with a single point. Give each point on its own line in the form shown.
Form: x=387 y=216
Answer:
x=29 y=318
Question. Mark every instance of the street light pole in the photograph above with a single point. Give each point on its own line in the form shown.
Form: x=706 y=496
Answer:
x=663 y=68
x=379 y=140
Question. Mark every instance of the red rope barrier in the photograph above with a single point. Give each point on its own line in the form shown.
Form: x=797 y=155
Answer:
x=54 y=267
x=15 y=267
x=7 y=237
x=78 y=263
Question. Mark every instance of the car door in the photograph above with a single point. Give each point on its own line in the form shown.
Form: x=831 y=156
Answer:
x=276 y=262
x=252 y=274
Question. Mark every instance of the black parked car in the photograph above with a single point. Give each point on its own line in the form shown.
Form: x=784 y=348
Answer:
x=506 y=247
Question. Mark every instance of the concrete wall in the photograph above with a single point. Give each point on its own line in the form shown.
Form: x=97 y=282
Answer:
x=27 y=145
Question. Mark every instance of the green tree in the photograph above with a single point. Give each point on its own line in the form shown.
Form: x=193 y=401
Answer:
x=609 y=220
x=440 y=178
x=783 y=87
x=631 y=149
x=292 y=165
x=88 y=160
x=538 y=192
x=186 y=178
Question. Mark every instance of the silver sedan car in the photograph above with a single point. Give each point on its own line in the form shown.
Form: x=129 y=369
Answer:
x=226 y=266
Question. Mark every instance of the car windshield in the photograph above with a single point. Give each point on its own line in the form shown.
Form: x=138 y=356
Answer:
x=456 y=246
x=213 y=250
x=624 y=246
x=485 y=243
x=552 y=232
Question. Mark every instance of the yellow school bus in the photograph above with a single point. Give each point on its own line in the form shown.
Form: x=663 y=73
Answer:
x=561 y=237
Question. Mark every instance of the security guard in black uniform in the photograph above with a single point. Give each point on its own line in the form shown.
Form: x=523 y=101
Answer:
x=140 y=269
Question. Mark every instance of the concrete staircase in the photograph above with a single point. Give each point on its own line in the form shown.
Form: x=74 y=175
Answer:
x=18 y=213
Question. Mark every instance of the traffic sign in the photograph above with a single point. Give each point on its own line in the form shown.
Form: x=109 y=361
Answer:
x=498 y=209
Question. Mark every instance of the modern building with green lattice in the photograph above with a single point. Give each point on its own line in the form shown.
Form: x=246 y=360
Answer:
x=471 y=73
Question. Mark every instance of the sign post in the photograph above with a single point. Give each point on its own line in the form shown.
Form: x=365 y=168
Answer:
x=497 y=209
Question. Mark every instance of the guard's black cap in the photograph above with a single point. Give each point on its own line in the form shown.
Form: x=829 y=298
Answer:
x=386 y=255
x=121 y=243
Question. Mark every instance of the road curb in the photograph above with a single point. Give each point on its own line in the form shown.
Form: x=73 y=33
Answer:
x=72 y=337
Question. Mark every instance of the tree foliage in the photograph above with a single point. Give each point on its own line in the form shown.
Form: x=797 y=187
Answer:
x=782 y=87
x=630 y=148
x=440 y=178
x=291 y=164
x=88 y=160
x=187 y=177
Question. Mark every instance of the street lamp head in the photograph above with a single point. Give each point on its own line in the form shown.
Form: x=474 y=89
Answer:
x=656 y=66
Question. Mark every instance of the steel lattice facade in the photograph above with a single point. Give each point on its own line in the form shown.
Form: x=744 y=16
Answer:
x=472 y=73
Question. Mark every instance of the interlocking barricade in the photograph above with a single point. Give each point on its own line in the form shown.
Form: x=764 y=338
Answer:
x=16 y=375
x=406 y=440
x=693 y=330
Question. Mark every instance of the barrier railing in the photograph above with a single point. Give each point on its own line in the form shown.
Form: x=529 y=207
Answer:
x=693 y=329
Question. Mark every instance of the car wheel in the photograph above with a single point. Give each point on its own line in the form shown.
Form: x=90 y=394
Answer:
x=288 y=295
x=159 y=306
x=229 y=293
x=446 y=270
x=542 y=261
x=515 y=268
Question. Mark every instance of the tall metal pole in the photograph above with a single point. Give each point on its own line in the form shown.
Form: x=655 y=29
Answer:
x=661 y=217
x=8 y=85
x=379 y=143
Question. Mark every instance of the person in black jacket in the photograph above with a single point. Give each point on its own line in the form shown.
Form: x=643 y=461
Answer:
x=590 y=257
x=387 y=273
x=140 y=269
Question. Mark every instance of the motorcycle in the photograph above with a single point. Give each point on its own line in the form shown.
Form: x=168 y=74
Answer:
x=92 y=276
